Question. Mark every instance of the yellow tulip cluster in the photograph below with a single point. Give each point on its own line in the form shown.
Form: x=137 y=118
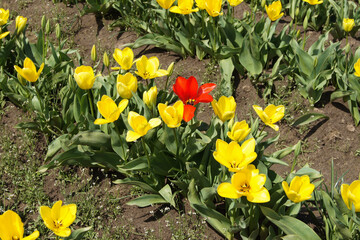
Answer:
x=57 y=219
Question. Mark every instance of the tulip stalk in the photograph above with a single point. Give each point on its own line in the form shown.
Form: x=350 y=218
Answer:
x=146 y=153
x=91 y=102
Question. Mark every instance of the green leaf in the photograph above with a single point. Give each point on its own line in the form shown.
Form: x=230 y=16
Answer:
x=226 y=70
x=78 y=233
x=308 y=118
x=134 y=182
x=290 y=225
x=147 y=200
x=166 y=193
x=92 y=139
x=339 y=94
x=252 y=65
x=136 y=164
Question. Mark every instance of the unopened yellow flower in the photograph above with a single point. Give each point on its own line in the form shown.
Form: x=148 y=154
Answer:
x=351 y=195
x=247 y=182
x=224 y=108
x=313 y=2
x=148 y=68
x=29 y=72
x=300 y=188
x=166 y=4
x=84 y=77
x=274 y=10
x=125 y=58
x=200 y=4
x=108 y=109
x=233 y=156
x=213 y=7
x=20 y=23
x=4 y=35
x=184 y=7
x=11 y=227
x=172 y=115
x=140 y=126
x=59 y=218
x=93 y=53
x=234 y=3
x=126 y=85
x=149 y=97
x=357 y=68
x=4 y=16
x=239 y=131
x=348 y=24
x=270 y=115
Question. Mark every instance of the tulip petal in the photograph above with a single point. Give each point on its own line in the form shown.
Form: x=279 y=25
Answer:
x=45 y=213
x=154 y=122
x=189 y=112
x=227 y=190
x=261 y=196
x=101 y=121
x=32 y=236
x=132 y=136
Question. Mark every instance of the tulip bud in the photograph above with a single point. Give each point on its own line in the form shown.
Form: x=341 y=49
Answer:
x=106 y=60
x=58 y=31
x=20 y=23
x=315 y=61
x=43 y=22
x=47 y=27
x=347 y=48
x=263 y=3
x=348 y=24
x=297 y=11
x=170 y=69
x=298 y=34
x=93 y=53
x=305 y=23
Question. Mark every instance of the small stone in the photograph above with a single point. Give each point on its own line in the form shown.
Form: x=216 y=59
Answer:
x=350 y=127
x=246 y=88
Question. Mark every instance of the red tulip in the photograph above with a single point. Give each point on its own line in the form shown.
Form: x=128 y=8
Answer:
x=191 y=94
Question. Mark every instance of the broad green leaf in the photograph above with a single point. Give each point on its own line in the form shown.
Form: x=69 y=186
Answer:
x=131 y=181
x=166 y=193
x=92 y=139
x=78 y=233
x=308 y=118
x=226 y=70
x=147 y=200
x=290 y=225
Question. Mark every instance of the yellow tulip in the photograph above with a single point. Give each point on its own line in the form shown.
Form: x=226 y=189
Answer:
x=348 y=24
x=149 y=68
x=313 y=2
x=20 y=23
x=149 y=97
x=351 y=195
x=247 y=182
x=200 y=4
x=184 y=7
x=140 y=126
x=357 y=68
x=213 y=7
x=59 y=218
x=172 y=115
x=4 y=35
x=274 y=10
x=84 y=77
x=166 y=4
x=125 y=58
x=234 y=3
x=108 y=109
x=126 y=85
x=29 y=72
x=224 y=108
x=300 y=188
x=239 y=131
x=4 y=16
x=11 y=227
x=233 y=156
x=270 y=115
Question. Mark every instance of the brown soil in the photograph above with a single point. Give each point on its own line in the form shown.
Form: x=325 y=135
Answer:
x=335 y=139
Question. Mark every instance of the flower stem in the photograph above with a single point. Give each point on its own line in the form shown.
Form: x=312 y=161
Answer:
x=262 y=130
x=91 y=103
x=146 y=152
x=177 y=143
x=121 y=143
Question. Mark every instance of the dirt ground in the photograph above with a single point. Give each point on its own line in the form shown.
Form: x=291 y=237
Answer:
x=334 y=139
